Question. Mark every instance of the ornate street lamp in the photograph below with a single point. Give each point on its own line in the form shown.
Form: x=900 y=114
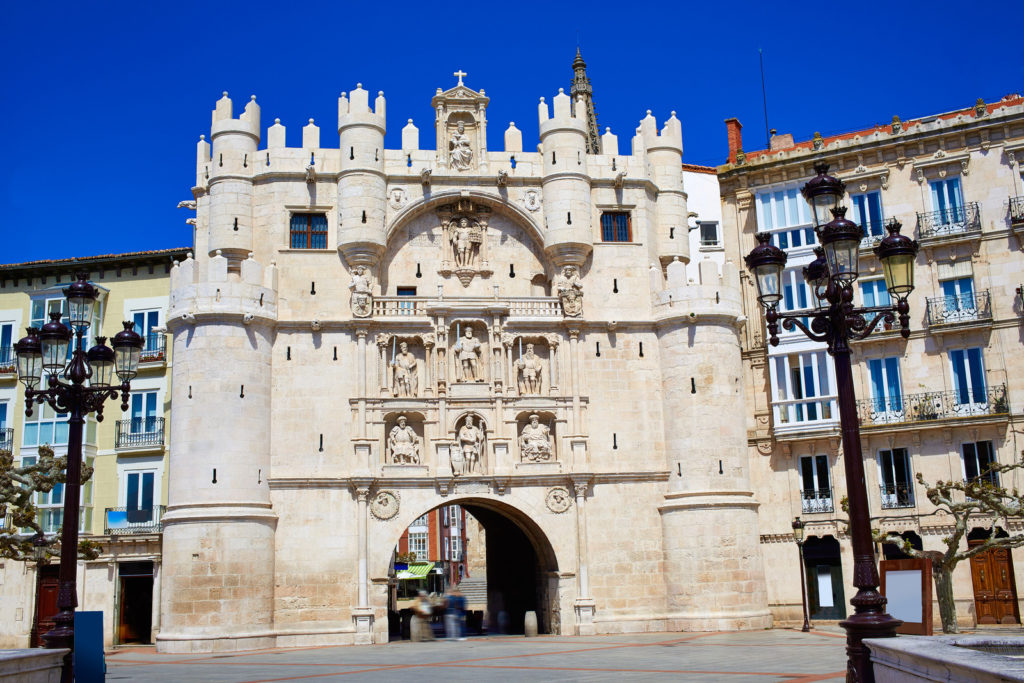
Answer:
x=798 y=535
x=78 y=386
x=836 y=321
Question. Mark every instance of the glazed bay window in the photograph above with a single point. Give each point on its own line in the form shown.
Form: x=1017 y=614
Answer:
x=866 y=211
x=616 y=227
x=897 y=488
x=418 y=545
x=977 y=458
x=45 y=427
x=786 y=215
x=803 y=386
x=308 y=231
x=816 y=485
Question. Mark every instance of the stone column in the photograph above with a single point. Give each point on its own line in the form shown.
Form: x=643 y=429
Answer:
x=574 y=366
x=511 y=378
x=362 y=615
x=382 y=362
x=553 y=342
x=361 y=378
x=584 y=603
x=428 y=366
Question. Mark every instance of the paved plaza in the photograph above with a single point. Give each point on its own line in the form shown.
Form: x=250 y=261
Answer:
x=764 y=656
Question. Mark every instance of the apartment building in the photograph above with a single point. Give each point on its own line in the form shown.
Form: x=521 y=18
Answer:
x=946 y=403
x=122 y=503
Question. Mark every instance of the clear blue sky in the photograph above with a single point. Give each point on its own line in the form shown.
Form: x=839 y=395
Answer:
x=104 y=101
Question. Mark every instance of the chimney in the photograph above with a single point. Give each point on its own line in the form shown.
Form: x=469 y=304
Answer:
x=732 y=131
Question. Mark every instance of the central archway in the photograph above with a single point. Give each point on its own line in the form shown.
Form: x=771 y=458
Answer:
x=521 y=569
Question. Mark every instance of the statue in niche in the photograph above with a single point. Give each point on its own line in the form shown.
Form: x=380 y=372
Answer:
x=531 y=372
x=460 y=153
x=535 y=440
x=406 y=382
x=467 y=352
x=570 y=291
x=362 y=297
x=404 y=444
x=466 y=238
x=470 y=442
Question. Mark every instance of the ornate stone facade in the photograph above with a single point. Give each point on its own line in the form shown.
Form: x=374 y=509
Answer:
x=456 y=360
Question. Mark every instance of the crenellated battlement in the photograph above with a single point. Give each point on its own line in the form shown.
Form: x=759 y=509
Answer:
x=563 y=117
x=670 y=138
x=714 y=292
x=214 y=288
x=354 y=109
x=247 y=124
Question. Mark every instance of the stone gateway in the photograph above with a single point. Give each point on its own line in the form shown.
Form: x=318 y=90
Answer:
x=614 y=497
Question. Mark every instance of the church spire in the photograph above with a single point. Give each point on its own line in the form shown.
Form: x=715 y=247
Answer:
x=581 y=86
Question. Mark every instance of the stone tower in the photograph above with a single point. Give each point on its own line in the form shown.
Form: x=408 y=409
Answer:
x=581 y=88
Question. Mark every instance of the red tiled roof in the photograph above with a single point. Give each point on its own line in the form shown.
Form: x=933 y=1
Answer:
x=1008 y=101
x=695 y=168
x=132 y=255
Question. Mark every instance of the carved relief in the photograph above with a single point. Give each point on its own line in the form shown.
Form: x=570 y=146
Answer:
x=465 y=229
x=535 y=441
x=468 y=448
x=404 y=369
x=558 y=499
x=362 y=296
x=531 y=200
x=530 y=371
x=404 y=443
x=460 y=152
x=468 y=352
x=570 y=291
x=384 y=505
x=397 y=197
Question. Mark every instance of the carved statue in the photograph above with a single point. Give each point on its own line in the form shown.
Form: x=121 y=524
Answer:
x=535 y=440
x=470 y=439
x=362 y=298
x=404 y=444
x=467 y=352
x=460 y=154
x=406 y=381
x=466 y=238
x=570 y=291
x=531 y=373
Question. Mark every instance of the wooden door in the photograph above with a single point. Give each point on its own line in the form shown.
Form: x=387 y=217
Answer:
x=995 y=593
x=46 y=603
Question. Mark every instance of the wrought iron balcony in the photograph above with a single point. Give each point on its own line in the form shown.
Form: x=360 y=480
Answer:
x=933 y=405
x=956 y=310
x=140 y=432
x=7 y=439
x=897 y=496
x=1017 y=211
x=951 y=222
x=125 y=521
x=816 y=500
x=873 y=231
x=8 y=362
x=155 y=350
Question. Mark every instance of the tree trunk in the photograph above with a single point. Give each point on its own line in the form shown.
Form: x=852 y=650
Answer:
x=944 y=594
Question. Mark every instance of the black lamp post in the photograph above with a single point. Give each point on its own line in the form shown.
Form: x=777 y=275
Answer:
x=78 y=387
x=798 y=535
x=835 y=322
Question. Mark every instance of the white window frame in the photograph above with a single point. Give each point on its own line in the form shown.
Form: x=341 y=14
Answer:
x=994 y=476
x=416 y=540
x=820 y=493
x=790 y=413
x=140 y=465
x=970 y=407
x=891 y=499
x=886 y=408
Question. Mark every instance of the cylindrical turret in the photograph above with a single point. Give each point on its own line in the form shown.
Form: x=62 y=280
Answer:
x=709 y=515
x=665 y=153
x=362 y=187
x=230 y=183
x=218 y=539
x=568 y=238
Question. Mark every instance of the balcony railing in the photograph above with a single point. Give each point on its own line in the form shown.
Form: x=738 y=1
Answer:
x=7 y=439
x=933 y=405
x=123 y=521
x=140 y=432
x=807 y=413
x=519 y=307
x=873 y=231
x=8 y=361
x=950 y=222
x=155 y=350
x=952 y=310
x=816 y=500
x=897 y=496
x=1016 y=211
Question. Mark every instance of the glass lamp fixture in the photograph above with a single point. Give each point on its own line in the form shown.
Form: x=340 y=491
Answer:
x=823 y=192
x=816 y=276
x=29 y=351
x=101 y=362
x=766 y=262
x=81 y=298
x=127 y=348
x=897 y=253
x=840 y=238
x=798 y=530
x=54 y=337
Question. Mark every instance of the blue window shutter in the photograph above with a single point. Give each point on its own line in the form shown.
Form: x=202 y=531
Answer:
x=867 y=293
x=3 y=415
x=607 y=233
x=892 y=371
x=877 y=383
x=140 y=323
x=875 y=213
x=133 y=491
x=959 y=375
x=938 y=196
x=766 y=212
x=147 y=491
x=977 y=374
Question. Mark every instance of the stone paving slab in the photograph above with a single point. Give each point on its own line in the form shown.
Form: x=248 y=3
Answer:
x=764 y=656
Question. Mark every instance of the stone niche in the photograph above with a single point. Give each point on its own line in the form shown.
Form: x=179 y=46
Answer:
x=405 y=366
x=405 y=448
x=536 y=437
x=467 y=447
x=469 y=358
x=532 y=368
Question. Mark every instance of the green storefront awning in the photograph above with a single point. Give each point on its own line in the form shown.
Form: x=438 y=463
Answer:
x=417 y=570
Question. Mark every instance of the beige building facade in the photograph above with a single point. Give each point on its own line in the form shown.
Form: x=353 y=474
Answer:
x=548 y=338
x=945 y=403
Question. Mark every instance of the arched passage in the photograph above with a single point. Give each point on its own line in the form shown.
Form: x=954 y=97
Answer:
x=521 y=572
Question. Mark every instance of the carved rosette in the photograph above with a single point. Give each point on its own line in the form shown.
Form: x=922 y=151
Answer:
x=385 y=505
x=558 y=499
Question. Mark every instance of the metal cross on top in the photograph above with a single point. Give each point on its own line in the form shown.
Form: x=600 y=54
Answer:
x=460 y=73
